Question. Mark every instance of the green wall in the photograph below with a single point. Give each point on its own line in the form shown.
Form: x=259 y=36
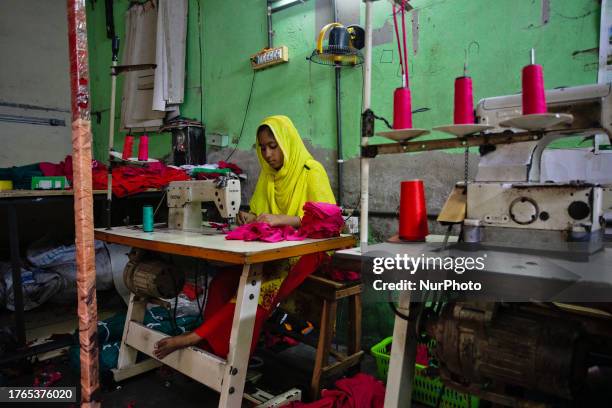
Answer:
x=232 y=30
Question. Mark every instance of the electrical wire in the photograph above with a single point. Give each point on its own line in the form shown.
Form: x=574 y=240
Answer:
x=399 y=44
x=246 y=113
x=405 y=48
x=201 y=80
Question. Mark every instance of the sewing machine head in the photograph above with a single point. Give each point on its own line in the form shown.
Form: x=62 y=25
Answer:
x=185 y=200
x=510 y=205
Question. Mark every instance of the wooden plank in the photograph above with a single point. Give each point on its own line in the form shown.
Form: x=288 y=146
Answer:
x=403 y=357
x=305 y=249
x=340 y=366
x=120 y=374
x=354 y=335
x=322 y=291
x=475 y=140
x=135 y=313
x=216 y=247
x=326 y=334
x=242 y=335
x=196 y=363
x=40 y=193
x=170 y=248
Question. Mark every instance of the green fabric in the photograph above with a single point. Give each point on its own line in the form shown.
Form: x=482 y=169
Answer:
x=110 y=332
x=21 y=175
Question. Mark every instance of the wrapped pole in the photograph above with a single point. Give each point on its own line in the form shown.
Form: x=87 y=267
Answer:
x=83 y=202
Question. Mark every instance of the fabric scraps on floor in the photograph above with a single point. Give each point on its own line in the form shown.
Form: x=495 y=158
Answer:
x=360 y=391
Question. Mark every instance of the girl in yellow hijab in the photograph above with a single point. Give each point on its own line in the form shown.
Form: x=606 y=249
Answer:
x=289 y=176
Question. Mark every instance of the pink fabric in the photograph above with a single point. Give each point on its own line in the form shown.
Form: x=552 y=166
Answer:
x=262 y=231
x=360 y=391
x=321 y=220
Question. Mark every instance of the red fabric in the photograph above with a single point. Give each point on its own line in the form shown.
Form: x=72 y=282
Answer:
x=225 y=165
x=360 y=391
x=64 y=168
x=126 y=179
x=219 y=313
x=422 y=355
x=190 y=290
x=131 y=180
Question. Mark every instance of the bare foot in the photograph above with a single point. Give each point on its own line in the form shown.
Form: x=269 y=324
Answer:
x=171 y=344
x=166 y=346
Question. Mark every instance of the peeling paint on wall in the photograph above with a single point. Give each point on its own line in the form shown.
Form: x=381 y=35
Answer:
x=415 y=31
x=545 y=11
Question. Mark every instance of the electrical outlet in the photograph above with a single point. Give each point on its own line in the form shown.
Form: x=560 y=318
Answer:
x=217 y=139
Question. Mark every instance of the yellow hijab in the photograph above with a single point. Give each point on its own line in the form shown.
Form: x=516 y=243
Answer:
x=301 y=178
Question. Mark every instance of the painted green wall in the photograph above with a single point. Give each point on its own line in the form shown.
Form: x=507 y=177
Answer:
x=504 y=31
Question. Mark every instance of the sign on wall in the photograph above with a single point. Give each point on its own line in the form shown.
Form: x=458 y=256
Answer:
x=269 y=57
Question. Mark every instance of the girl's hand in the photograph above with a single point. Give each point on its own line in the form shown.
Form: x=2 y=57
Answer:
x=245 y=218
x=279 y=220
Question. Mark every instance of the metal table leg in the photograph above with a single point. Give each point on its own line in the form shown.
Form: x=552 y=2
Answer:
x=16 y=267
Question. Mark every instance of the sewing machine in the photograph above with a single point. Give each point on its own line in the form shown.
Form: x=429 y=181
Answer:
x=185 y=200
x=510 y=205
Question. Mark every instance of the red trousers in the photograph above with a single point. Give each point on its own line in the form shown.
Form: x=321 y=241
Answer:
x=219 y=312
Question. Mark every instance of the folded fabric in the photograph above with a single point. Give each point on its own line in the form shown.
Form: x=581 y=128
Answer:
x=360 y=391
x=321 y=220
x=262 y=231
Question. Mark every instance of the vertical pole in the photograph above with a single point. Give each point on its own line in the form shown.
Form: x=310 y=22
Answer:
x=365 y=162
x=83 y=202
x=340 y=159
x=16 y=267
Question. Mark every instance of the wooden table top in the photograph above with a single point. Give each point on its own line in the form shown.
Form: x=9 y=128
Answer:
x=215 y=247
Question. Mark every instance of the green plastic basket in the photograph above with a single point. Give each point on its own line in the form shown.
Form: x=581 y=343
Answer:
x=426 y=390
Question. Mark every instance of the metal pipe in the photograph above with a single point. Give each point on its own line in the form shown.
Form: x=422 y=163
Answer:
x=270 y=30
x=340 y=157
x=339 y=136
x=83 y=203
x=365 y=162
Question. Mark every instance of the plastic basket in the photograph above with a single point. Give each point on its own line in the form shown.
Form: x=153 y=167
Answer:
x=426 y=390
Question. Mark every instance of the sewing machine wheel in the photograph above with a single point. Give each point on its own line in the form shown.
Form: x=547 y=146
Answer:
x=150 y=277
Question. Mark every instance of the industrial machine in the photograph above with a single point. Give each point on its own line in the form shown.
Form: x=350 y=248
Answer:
x=509 y=200
x=531 y=354
x=185 y=200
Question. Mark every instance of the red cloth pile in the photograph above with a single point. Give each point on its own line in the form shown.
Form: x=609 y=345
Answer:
x=360 y=391
x=126 y=179
x=321 y=220
x=64 y=168
x=225 y=165
x=131 y=180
